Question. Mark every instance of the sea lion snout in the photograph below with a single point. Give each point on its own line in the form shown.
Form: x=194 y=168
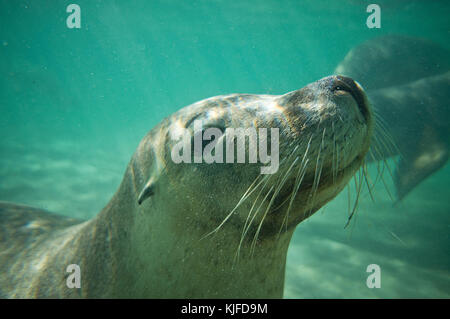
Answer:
x=328 y=96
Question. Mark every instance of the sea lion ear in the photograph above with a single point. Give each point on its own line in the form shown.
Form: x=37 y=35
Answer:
x=149 y=190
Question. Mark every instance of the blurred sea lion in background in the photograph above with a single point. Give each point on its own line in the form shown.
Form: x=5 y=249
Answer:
x=407 y=81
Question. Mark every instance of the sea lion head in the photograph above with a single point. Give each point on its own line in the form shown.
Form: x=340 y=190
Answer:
x=324 y=132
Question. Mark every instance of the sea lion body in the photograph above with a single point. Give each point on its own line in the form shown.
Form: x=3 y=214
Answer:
x=394 y=60
x=415 y=115
x=198 y=230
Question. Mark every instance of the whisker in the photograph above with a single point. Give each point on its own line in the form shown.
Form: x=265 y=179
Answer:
x=382 y=175
x=366 y=177
x=383 y=129
x=248 y=221
x=317 y=174
x=358 y=193
x=243 y=198
x=298 y=181
x=277 y=190
x=333 y=162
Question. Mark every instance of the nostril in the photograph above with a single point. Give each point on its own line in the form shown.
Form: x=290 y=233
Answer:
x=343 y=83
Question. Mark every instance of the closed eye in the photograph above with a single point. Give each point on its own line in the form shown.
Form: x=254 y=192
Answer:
x=341 y=87
x=343 y=84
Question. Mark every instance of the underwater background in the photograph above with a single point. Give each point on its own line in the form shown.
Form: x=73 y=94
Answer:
x=74 y=104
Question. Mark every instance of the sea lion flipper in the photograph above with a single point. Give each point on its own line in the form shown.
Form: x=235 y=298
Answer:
x=429 y=156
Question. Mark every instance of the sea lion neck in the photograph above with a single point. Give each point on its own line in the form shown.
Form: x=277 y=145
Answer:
x=170 y=264
x=141 y=251
x=103 y=246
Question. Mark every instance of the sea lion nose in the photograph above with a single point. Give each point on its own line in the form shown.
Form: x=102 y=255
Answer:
x=343 y=83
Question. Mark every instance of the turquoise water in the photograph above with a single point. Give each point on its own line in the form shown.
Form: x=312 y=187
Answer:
x=75 y=103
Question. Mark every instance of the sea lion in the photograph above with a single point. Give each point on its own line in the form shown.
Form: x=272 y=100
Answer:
x=407 y=80
x=416 y=116
x=198 y=230
x=393 y=60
